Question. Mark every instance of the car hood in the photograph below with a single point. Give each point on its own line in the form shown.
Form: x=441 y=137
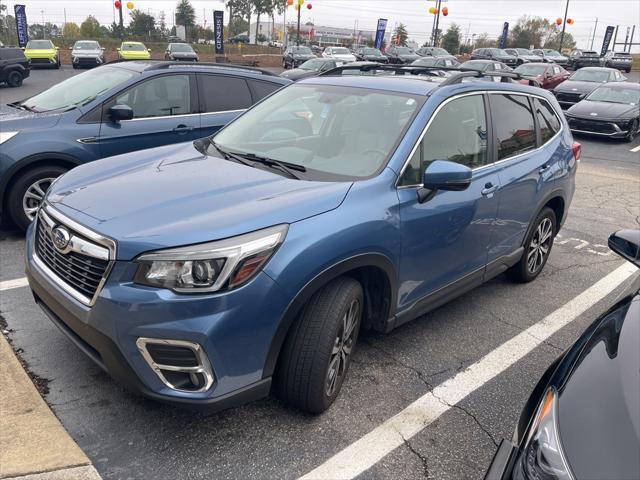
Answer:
x=531 y=58
x=374 y=58
x=184 y=54
x=599 y=406
x=604 y=110
x=409 y=56
x=17 y=119
x=46 y=52
x=87 y=53
x=347 y=57
x=298 y=73
x=175 y=195
x=576 y=86
x=303 y=56
x=140 y=54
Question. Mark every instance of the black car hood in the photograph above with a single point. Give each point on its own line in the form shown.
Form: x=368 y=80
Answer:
x=603 y=110
x=303 y=56
x=298 y=74
x=599 y=404
x=374 y=58
x=184 y=55
x=577 y=86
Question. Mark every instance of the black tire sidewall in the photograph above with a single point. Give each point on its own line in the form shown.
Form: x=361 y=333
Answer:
x=519 y=272
x=19 y=188
x=14 y=79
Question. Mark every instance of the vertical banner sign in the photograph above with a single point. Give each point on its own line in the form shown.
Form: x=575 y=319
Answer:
x=505 y=33
x=608 y=34
x=218 y=30
x=382 y=26
x=21 y=25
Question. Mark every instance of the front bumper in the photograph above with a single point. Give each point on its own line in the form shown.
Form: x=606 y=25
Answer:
x=234 y=330
x=502 y=463
x=87 y=61
x=598 y=128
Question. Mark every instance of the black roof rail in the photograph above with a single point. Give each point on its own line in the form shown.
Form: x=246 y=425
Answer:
x=161 y=64
x=458 y=75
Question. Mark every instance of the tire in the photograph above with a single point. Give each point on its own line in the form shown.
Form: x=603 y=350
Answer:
x=316 y=355
x=57 y=66
x=18 y=199
x=14 y=79
x=632 y=131
x=536 y=252
x=628 y=70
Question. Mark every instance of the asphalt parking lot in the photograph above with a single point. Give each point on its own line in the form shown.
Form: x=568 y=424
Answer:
x=126 y=436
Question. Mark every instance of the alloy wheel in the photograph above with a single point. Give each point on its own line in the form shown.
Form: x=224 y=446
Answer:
x=539 y=246
x=342 y=348
x=34 y=196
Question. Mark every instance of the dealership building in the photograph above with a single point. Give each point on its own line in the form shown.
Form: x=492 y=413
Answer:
x=316 y=33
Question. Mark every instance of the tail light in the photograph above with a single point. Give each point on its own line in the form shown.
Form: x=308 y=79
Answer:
x=576 y=148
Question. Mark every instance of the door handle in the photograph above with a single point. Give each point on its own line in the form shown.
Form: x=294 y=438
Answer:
x=544 y=168
x=182 y=129
x=489 y=189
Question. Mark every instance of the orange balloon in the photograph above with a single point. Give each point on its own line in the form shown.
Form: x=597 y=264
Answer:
x=570 y=21
x=558 y=21
x=445 y=11
x=289 y=2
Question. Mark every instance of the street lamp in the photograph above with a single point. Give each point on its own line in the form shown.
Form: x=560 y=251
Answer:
x=567 y=21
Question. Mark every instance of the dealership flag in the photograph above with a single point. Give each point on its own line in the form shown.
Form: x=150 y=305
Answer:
x=218 y=30
x=21 y=25
x=382 y=26
x=608 y=34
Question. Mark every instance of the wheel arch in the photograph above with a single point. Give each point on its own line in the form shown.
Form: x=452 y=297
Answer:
x=377 y=275
x=27 y=163
x=554 y=200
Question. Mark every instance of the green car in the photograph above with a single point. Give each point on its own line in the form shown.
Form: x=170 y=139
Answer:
x=133 y=51
x=42 y=52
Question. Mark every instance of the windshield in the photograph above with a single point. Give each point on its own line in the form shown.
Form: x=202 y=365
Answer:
x=524 y=51
x=371 y=51
x=552 y=53
x=630 y=96
x=138 y=47
x=340 y=51
x=425 y=61
x=404 y=50
x=181 y=47
x=302 y=50
x=313 y=65
x=498 y=52
x=79 y=89
x=481 y=66
x=336 y=133
x=584 y=75
x=621 y=54
x=533 y=70
x=439 y=51
x=86 y=46
x=39 y=44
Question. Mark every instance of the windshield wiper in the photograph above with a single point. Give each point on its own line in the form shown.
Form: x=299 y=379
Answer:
x=229 y=155
x=288 y=168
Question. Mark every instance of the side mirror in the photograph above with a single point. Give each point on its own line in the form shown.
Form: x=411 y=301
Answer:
x=118 y=49
x=71 y=48
x=120 y=112
x=148 y=49
x=444 y=175
x=102 y=48
x=626 y=243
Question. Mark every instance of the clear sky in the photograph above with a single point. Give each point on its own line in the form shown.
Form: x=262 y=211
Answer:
x=474 y=16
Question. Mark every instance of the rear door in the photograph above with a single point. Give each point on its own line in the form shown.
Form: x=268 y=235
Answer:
x=222 y=98
x=527 y=161
x=447 y=238
x=164 y=112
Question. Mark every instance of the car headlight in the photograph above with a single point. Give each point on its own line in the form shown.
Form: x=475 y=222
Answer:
x=4 y=136
x=213 y=266
x=542 y=456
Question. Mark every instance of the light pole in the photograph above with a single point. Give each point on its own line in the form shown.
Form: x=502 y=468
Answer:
x=435 y=33
x=564 y=26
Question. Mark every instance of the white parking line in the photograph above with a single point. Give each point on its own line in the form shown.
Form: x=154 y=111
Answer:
x=370 y=449
x=636 y=149
x=11 y=284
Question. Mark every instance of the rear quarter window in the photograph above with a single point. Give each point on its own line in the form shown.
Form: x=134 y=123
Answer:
x=513 y=124
x=260 y=89
x=548 y=121
x=220 y=93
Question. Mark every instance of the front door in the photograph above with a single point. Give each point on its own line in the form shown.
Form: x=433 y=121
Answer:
x=164 y=112
x=447 y=238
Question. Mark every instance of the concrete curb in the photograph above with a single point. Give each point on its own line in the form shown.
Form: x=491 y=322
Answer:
x=33 y=443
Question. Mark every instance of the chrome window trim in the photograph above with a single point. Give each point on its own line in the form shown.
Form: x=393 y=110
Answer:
x=52 y=217
x=164 y=117
x=477 y=169
x=203 y=368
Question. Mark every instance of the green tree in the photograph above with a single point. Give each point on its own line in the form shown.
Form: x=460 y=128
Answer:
x=451 y=39
x=237 y=15
x=261 y=7
x=8 y=34
x=90 y=28
x=185 y=14
x=142 y=24
x=400 y=35
x=530 y=31
x=71 y=31
x=484 y=41
x=553 y=41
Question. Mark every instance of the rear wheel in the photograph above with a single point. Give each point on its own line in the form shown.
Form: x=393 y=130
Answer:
x=14 y=79
x=28 y=191
x=318 y=350
x=537 y=248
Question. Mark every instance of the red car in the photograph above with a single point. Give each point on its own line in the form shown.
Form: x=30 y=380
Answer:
x=548 y=75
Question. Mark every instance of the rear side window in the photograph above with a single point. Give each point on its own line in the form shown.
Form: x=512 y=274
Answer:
x=458 y=133
x=513 y=125
x=548 y=121
x=158 y=97
x=220 y=93
x=260 y=89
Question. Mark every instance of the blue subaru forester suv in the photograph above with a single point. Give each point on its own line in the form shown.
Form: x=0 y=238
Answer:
x=209 y=272
x=114 y=109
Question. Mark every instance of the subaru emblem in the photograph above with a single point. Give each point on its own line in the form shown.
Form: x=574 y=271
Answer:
x=61 y=238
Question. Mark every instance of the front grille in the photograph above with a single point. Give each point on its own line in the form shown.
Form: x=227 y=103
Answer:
x=41 y=60
x=81 y=272
x=591 y=126
x=568 y=97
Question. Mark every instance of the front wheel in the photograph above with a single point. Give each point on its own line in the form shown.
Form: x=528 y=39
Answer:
x=14 y=79
x=28 y=191
x=318 y=349
x=537 y=248
x=633 y=129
